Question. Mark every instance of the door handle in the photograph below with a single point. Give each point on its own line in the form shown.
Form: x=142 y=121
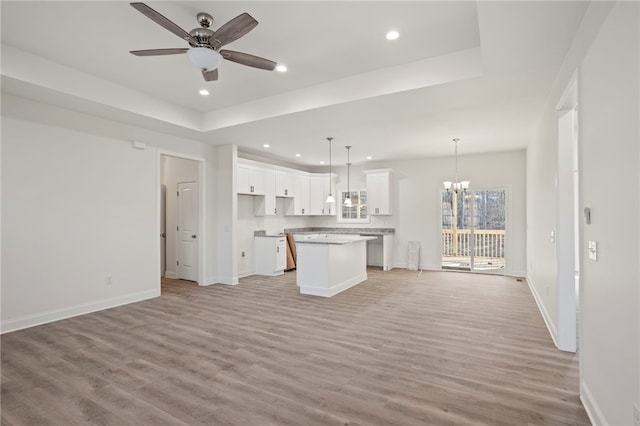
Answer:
x=193 y=236
x=163 y=235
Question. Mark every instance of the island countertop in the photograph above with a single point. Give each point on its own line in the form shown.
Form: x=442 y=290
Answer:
x=336 y=239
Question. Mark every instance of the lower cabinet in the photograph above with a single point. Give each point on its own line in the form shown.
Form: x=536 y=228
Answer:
x=270 y=255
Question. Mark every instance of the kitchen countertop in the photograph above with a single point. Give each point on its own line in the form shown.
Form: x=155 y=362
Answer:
x=263 y=233
x=338 y=239
x=328 y=230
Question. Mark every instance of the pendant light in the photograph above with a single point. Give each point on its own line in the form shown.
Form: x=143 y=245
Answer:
x=347 y=201
x=456 y=185
x=330 y=198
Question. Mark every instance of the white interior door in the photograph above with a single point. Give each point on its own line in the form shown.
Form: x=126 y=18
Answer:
x=187 y=229
x=163 y=230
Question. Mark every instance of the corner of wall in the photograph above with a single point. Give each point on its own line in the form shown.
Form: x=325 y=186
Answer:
x=543 y=311
x=590 y=405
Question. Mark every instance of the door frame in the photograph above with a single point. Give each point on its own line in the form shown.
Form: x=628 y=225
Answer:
x=201 y=210
x=567 y=332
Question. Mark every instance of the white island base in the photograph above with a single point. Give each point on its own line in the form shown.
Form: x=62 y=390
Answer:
x=331 y=264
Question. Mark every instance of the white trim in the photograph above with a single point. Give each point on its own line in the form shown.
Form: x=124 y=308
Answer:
x=73 y=311
x=543 y=311
x=201 y=179
x=591 y=406
x=170 y=274
x=332 y=291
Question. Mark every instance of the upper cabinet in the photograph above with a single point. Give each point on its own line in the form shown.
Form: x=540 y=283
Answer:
x=319 y=189
x=298 y=205
x=304 y=193
x=379 y=192
x=266 y=205
x=284 y=184
x=251 y=180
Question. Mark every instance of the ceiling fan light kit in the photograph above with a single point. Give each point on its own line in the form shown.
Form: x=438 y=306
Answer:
x=204 y=51
x=204 y=58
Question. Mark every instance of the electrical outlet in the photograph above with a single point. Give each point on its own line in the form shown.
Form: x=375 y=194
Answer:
x=636 y=415
x=107 y=280
x=242 y=255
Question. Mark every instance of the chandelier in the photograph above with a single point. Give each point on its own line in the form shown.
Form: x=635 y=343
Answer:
x=456 y=185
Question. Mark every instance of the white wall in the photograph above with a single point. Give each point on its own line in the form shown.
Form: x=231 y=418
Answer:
x=76 y=210
x=174 y=169
x=605 y=54
x=80 y=204
x=609 y=114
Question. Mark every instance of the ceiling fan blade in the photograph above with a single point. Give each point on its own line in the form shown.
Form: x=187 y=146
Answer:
x=249 y=60
x=210 y=75
x=157 y=52
x=162 y=21
x=233 y=30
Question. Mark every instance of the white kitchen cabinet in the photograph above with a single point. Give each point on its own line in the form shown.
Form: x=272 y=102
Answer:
x=379 y=192
x=319 y=189
x=265 y=205
x=298 y=205
x=270 y=255
x=284 y=184
x=250 y=179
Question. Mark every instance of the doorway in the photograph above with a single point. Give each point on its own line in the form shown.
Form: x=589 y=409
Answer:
x=182 y=213
x=568 y=216
x=473 y=230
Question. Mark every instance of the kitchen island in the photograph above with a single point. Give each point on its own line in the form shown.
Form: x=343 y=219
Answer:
x=331 y=263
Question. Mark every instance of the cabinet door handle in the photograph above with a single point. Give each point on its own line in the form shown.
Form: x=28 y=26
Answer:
x=193 y=236
x=277 y=249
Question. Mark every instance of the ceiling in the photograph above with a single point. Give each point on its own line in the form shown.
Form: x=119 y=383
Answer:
x=479 y=71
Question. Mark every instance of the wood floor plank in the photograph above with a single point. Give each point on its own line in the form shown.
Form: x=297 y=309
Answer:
x=398 y=349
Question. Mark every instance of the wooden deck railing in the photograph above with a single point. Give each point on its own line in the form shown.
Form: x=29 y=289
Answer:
x=486 y=243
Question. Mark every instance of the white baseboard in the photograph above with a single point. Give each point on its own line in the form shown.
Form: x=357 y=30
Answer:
x=171 y=274
x=20 y=323
x=228 y=280
x=210 y=281
x=543 y=311
x=590 y=405
x=517 y=274
x=332 y=291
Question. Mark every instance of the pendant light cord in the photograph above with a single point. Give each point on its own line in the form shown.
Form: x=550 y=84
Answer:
x=456 y=149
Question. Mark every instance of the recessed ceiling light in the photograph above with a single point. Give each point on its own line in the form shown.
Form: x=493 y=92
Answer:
x=204 y=92
x=392 y=35
x=281 y=68
x=298 y=155
x=369 y=158
x=266 y=145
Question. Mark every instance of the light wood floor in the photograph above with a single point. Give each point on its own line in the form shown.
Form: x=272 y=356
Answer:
x=441 y=349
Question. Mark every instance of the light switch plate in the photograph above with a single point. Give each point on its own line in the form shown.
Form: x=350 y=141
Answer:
x=593 y=250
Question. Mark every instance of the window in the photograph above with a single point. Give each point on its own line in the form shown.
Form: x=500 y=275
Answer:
x=357 y=212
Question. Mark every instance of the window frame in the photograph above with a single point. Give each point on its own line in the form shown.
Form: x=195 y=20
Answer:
x=339 y=217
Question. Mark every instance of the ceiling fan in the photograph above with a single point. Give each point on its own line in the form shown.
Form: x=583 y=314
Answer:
x=205 y=43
